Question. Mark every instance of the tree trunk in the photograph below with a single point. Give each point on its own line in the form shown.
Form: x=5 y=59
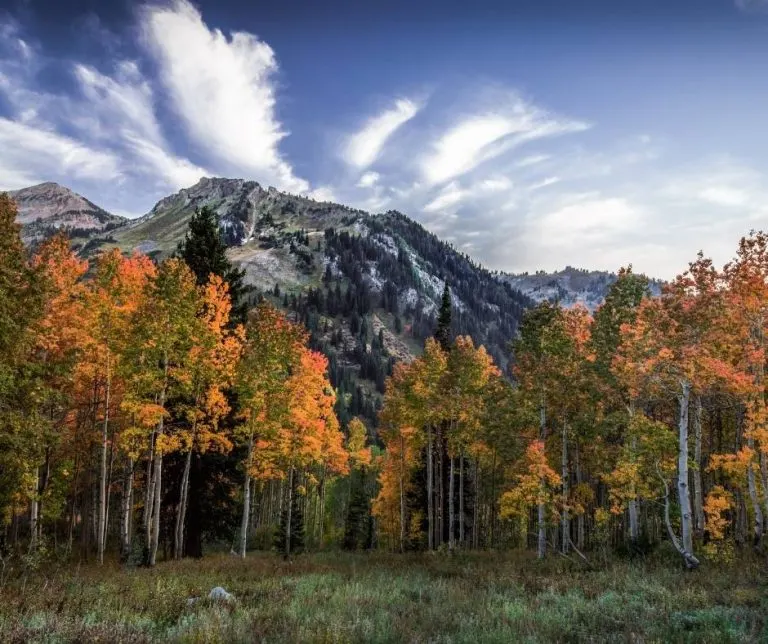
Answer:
x=579 y=481
x=181 y=514
x=683 y=493
x=289 y=513
x=565 y=519
x=322 y=507
x=698 y=488
x=158 y=476
x=430 y=500
x=634 y=522
x=101 y=537
x=451 y=517
x=149 y=493
x=690 y=560
x=541 y=546
x=125 y=523
x=246 y=497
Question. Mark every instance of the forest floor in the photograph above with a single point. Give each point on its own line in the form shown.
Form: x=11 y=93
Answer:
x=336 y=597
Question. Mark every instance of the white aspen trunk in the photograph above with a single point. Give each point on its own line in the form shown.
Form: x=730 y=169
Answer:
x=634 y=523
x=698 y=488
x=101 y=537
x=683 y=493
x=565 y=519
x=430 y=503
x=157 y=475
x=690 y=560
x=246 y=511
x=181 y=514
x=290 y=510
x=541 y=546
x=246 y=498
x=125 y=523
x=149 y=491
x=461 y=500
x=451 y=516
x=109 y=489
x=155 y=533
x=321 y=500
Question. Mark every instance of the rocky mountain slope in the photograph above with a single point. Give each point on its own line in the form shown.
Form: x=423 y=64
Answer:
x=366 y=286
x=50 y=207
x=568 y=287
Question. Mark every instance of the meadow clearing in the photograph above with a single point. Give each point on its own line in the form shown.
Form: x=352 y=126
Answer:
x=378 y=597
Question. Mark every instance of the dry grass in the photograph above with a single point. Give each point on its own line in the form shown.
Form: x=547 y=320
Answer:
x=335 y=597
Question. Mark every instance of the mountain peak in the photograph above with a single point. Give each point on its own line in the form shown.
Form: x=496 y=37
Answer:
x=49 y=206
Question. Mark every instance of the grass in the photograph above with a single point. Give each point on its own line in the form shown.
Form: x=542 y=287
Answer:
x=333 y=597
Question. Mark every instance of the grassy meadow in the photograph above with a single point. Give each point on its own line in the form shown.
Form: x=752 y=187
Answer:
x=335 y=597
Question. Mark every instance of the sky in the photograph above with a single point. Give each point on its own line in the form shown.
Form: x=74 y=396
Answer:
x=532 y=134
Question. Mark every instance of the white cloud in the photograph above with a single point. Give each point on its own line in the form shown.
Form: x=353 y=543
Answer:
x=368 y=180
x=451 y=195
x=31 y=154
x=593 y=217
x=322 y=193
x=123 y=105
x=223 y=89
x=365 y=146
x=485 y=136
x=725 y=196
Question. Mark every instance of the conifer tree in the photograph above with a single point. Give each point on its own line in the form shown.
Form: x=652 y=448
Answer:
x=204 y=251
x=443 y=331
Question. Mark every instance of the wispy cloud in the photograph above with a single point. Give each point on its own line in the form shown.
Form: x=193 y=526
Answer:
x=29 y=153
x=223 y=88
x=365 y=146
x=123 y=105
x=484 y=136
x=752 y=6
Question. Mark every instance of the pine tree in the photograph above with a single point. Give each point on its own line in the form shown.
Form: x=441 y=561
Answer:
x=204 y=251
x=443 y=331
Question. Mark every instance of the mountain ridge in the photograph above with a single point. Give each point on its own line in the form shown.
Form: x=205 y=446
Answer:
x=49 y=207
x=366 y=286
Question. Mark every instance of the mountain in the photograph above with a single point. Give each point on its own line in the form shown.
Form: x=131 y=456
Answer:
x=366 y=286
x=50 y=207
x=568 y=287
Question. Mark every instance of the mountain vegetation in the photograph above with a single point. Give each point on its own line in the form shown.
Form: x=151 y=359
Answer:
x=151 y=407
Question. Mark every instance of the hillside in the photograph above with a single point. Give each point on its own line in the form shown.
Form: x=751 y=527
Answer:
x=367 y=286
x=568 y=287
x=50 y=207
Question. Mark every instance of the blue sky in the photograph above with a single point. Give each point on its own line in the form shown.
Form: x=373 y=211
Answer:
x=530 y=134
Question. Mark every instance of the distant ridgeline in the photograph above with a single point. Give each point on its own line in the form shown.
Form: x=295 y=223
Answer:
x=569 y=287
